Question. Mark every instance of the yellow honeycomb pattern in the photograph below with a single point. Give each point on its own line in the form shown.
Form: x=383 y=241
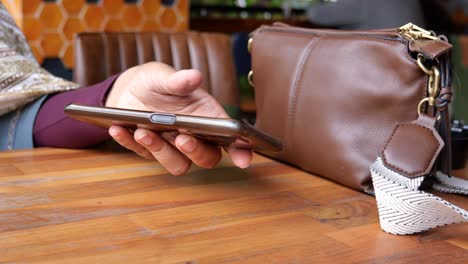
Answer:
x=51 y=26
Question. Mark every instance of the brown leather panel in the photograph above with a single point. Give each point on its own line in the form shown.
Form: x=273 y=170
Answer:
x=198 y=57
x=179 y=50
x=91 y=54
x=162 y=48
x=100 y=55
x=271 y=105
x=145 y=49
x=333 y=99
x=430 y=48
x=112 y=56
x=127 y=51
x=413 y=148
x=223 y=80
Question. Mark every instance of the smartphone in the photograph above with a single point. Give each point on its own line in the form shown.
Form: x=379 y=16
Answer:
x=220 y=131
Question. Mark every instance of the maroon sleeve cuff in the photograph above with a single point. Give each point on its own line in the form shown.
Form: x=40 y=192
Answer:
x=53 y=128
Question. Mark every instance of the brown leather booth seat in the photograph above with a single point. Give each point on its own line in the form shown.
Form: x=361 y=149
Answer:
x=101 y=55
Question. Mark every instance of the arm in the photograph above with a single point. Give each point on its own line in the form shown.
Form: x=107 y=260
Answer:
x=53 y=128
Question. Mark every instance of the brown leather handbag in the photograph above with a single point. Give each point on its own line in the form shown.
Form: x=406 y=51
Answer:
x=367 y=109
x=333 y=96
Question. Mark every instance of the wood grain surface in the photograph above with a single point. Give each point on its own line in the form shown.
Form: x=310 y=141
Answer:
x=100 y=206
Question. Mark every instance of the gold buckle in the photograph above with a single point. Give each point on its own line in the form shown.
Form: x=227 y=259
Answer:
x=433 y=84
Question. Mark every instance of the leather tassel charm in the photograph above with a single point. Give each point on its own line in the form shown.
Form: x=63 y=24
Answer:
x=398 y=173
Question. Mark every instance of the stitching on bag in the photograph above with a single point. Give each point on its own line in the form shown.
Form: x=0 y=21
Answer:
x=293 y=93
x=399 y=168
x=387 y=41
x=357 y=36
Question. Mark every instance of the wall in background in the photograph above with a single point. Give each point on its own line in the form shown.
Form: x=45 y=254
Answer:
x=51 y=25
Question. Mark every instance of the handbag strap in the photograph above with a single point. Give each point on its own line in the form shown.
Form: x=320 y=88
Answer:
x=404 y=209
x=452 y=184
x=404 y=165
x=442 y=104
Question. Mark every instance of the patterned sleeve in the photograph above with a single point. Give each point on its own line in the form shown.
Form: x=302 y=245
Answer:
x=22 y=80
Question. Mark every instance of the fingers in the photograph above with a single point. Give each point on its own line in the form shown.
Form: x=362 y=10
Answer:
x=240 y=157
x=174 y=161
x=152 y=146
x=201 y=153
x=125 y=139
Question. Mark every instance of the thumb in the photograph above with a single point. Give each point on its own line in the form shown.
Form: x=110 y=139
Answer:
x=182 y=82
x=165 y=80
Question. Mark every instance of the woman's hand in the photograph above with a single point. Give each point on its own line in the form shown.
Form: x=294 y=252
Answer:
x=158 y=87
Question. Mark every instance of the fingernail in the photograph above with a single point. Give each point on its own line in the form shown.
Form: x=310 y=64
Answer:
x=242 y=164
x=112 y=132
x=242 y=161
x=145 y=139
x=187 y=144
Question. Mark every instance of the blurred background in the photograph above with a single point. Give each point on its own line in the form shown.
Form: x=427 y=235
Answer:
x=51 y=27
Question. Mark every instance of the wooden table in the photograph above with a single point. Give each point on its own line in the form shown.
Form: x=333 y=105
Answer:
x=97 y=206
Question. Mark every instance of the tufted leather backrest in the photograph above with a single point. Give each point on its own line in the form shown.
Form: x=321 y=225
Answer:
x=101 y=55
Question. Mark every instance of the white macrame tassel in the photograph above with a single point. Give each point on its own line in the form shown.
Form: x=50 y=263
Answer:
x=404 y=210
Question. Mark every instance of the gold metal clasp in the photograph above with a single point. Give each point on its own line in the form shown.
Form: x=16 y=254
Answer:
x=422 y=66
x=250 y=78
x=249 y=45
x=414 y=32
x=434 y=83
x=433 y=86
